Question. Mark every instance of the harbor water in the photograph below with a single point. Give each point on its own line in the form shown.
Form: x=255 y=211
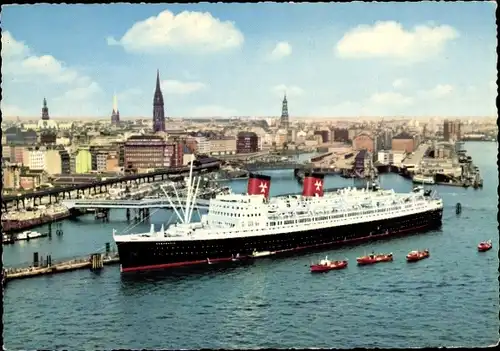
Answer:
x=450 y=299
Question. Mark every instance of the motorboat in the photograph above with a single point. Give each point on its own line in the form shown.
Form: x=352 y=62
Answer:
x=384 y=257
x=28 y=235
x=416 y=255
x=484 y=246
x=422 y=179
x=326 y=265
x=7 y=239
x=374 y=258
x=367 y=259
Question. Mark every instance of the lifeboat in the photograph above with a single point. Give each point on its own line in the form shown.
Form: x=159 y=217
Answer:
x=384 y=257
x=484 y=246
x=374 y=258
x=364 y=260
x=417 y=255
x=327 y=265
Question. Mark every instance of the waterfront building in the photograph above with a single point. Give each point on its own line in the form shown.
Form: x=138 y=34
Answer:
x=222 y=145
x=404 y=142
x=34 y=158
x=151 y=151
x=83 y=160
x=364 y=141
x=247 y=142
x=324 y=134
x=363 y=163
x=385 y=157
x=11 y=174
x=112 y=163
x=115 y=115
x=158 y=107
x=53 y=162
x=452 y=130
x=341 y=134
x=65 y=161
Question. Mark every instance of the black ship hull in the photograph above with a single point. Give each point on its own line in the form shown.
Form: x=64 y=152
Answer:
x=148 y=255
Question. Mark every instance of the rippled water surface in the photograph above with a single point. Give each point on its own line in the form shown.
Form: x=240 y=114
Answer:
x=450 y=299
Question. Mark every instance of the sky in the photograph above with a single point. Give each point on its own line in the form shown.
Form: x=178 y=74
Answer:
x=331 y=59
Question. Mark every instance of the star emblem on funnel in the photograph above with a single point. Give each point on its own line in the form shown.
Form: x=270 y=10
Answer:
x=318 y=185
x=263 y=187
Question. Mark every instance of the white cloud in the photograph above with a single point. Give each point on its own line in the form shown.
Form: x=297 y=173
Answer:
x=23 y=65
x=81 y=93
x=390 y=40
x=390 y=99
x=281 y=50
x=213 y=111
x=186 y=30
x=12 y=47
x=181 y=88
x=399 y=83
x=438 y=92
x=290 y=90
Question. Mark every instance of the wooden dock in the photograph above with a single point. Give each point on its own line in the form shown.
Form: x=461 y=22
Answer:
x=66 y=266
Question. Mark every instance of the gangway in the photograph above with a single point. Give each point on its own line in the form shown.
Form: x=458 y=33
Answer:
x=131 y=204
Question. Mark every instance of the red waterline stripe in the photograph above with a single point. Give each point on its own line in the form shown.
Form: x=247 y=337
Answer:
x=215 y=260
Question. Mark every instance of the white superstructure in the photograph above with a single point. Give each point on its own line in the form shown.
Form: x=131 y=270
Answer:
x=243 y=215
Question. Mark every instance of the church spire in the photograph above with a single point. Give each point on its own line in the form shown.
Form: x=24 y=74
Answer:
x=284 y=114
x=45 y=110
x=158 y=88
x=158 y=107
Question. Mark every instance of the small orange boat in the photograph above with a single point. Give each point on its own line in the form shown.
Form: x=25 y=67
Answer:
x=484 y=246
x=417 y=255
x=327 y=265
x=372 y=259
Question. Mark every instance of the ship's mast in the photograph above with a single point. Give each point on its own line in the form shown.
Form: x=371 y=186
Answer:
x=189 y=189
x=181 y=218
x=190 y=214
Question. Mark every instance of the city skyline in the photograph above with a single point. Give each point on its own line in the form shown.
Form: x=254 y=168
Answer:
x=333 y=60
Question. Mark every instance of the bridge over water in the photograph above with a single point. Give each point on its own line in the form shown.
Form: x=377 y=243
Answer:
x=102 y=185
x=132 y=204
x=262 y=166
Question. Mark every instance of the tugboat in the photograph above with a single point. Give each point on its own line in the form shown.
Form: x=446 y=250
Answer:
x=327 y=265
x=414 y=256
x=484 y=246
x=372 y=259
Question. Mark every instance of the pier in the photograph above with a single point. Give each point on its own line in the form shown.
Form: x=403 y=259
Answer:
x=40 y=267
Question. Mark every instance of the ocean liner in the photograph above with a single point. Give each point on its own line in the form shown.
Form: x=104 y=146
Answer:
x=253 y=225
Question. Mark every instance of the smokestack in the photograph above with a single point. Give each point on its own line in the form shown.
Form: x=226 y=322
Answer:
x=313 y=184
x=259 y=184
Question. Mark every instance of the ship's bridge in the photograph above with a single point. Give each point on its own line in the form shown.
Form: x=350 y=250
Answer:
x=236 y=210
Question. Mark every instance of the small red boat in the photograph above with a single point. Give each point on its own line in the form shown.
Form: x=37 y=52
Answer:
x=327 y=265
x=484 y=246
x=371 y=259
x=417 y=255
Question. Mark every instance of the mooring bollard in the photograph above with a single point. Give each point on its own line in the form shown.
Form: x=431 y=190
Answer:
x=96 y=261
x=35 y=259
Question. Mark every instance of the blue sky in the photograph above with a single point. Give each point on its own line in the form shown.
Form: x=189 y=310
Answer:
x=352 y=59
